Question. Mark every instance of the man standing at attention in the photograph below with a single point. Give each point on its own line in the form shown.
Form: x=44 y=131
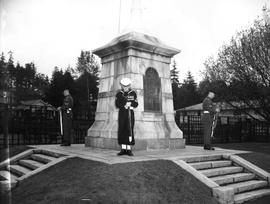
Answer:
x=66 y=109
x=126 y=101
x=209 y=111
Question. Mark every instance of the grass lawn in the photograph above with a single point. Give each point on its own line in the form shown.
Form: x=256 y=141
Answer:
x=77 y=180
x=12 y=151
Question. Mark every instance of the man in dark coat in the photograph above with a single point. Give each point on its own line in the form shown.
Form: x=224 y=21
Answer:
x=126 y=101
x=66 y=109
x=209 y=111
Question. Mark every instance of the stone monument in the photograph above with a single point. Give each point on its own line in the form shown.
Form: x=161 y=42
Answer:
x=146 y=60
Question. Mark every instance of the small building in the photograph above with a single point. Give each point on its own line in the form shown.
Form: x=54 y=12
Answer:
x=35 y=107
x=237 y=109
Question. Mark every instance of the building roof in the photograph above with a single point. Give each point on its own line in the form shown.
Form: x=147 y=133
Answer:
x=196 y=107
x=223 y=106
x=37 y=103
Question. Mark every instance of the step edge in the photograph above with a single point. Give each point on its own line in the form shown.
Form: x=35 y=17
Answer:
x=24 y=163
x=251 y=167
x=238 y=199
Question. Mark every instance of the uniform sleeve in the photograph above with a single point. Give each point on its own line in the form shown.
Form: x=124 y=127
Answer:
x=64 y=106
x=134 y=103
x=209 y=106
x=120 y=100
x=71 y=102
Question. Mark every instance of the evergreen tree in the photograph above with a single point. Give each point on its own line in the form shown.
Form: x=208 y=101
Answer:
x=175 y=84
x=87 y=63
x=174 y=73
x=88 y=69
x=59 y=82
x=190 y=83
x=188 y=93
x=4 y=74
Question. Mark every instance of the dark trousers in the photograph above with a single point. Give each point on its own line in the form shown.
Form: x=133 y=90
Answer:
x=67 y=128
x=207 y=122
x=124 y=127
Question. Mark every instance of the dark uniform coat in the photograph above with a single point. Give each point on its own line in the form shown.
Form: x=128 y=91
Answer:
x=124 y=131
x=67 y=118
x=209 y=111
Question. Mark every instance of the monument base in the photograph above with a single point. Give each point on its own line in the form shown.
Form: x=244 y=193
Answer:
x=140 y=144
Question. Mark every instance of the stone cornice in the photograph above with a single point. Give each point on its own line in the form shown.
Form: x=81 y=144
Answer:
x=137 y=41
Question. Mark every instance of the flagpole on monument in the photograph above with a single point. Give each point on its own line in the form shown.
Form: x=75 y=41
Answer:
x=119 y=19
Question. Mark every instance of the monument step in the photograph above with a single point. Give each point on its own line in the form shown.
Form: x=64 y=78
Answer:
x=203 y=158
x=48 y=153
x=42 y=158
x=211 y=164
x=221 y=171
x=243 y=197
x=31 y=164
x=247 y=185
x=18 y=170
x=233 y=178
x=8 y=176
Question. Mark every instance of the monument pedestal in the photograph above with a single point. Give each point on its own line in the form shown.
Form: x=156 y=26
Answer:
x=146 y=61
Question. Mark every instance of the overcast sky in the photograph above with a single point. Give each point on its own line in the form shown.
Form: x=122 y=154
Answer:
x=53 y=32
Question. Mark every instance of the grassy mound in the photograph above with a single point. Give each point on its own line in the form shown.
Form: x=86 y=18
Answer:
x=82 y=181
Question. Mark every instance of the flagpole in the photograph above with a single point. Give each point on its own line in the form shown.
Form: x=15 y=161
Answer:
x=119 y=20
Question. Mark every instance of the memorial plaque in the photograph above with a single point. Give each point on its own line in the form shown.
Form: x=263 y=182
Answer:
x=152 y=86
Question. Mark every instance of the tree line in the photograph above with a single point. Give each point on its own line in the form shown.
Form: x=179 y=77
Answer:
x=239 y=73
x=241 y=70
x=25 y=83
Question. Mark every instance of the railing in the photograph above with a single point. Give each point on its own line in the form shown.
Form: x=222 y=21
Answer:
x=228 y=129
x=34 y=128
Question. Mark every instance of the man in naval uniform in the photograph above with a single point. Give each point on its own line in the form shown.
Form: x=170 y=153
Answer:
x=209 y=111
x=126 y=101
x=66 y=109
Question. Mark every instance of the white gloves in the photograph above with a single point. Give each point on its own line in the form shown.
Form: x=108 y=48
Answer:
x=128 y=105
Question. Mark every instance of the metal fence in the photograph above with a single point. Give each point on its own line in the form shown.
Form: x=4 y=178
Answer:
x=39 y=127
x=29 y=128
x=228 y=129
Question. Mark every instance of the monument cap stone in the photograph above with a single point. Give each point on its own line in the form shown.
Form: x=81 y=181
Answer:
x=139 y=41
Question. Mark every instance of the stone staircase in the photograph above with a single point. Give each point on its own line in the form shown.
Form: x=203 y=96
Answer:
x=234 y=175
x=27 y=164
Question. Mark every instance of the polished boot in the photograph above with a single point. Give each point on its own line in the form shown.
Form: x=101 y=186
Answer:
x=129 y=153
x=122 y=152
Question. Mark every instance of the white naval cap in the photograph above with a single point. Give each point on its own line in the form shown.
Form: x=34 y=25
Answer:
x=125 y=81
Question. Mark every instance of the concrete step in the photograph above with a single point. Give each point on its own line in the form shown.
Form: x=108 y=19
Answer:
x=243 y=197
x=48 y=153
x=18 y=170
x=233 y=178
x=211 y=164
x=221 y=171
x=8 y=176
x=42 y=158
x=31 y=164
x=203 y=158
x=247 y=185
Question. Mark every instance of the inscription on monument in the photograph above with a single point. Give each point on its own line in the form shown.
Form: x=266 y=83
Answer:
x=152 y=91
